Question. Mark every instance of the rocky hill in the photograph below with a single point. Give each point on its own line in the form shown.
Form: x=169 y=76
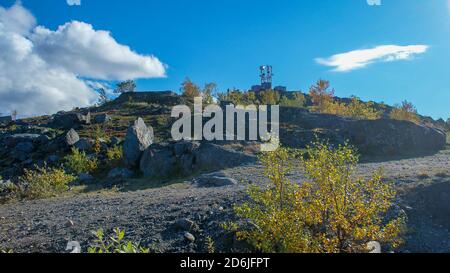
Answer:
x=174 y=175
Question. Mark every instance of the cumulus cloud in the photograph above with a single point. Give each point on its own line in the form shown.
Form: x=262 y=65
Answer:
x=44 y=71
x=74 y=2
x=357 y=59
x=84 y=51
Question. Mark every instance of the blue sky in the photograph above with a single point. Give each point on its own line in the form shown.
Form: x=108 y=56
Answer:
x=225 y=42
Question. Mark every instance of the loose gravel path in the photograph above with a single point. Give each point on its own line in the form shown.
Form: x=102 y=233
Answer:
x=149 y=215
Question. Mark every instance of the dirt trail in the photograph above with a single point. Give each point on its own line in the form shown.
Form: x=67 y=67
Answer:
x=149 y=215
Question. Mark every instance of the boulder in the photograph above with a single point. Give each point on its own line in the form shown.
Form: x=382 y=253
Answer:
x=102 y=118
x=84 y=144
x=382 y=137
x=211 y=156
x=158 y=162
x=186 y=225
x=120 y=173
x=13 y=140
x=115 y=141
x=139 y=137
x=22 y=151
x=184 y=158
x=70 y=120
x=387 y=137
x=72 y=137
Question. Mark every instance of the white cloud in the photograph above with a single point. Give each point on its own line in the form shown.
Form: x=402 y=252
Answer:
x=74 y=2
x=84 y=51
x=361 y=58
x=40 y=69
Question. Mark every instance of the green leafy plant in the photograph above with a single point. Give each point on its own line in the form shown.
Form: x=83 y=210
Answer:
x=331 y=211
x=78 y=162
x=114 y=244
x=115 y=153
x=44 y=182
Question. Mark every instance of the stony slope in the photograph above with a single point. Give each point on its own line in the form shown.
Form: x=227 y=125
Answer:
x=149 y=215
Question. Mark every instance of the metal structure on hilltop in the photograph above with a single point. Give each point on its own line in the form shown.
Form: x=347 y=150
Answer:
x=266 y=75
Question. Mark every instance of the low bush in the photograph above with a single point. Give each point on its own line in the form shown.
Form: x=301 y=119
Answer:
x=44 y=183
x=114 y=244
x=78 y=162
x=406 y=111
x=332 y=211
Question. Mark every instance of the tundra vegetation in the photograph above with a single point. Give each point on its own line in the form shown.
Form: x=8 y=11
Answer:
x=332 y=211
x=114 y=244
x=79 y=162
x=405 y=111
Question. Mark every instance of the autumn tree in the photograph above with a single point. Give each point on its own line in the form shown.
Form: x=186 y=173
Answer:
x=321 y=95
x=405 y=111
x=209 y=92
x=189 y=89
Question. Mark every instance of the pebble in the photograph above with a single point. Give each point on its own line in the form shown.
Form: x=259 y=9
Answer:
x=189 y=237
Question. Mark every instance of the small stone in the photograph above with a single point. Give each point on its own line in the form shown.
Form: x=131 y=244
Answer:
x=70 y=223
x=189 y=237
x=374 y=247
x=186 y=225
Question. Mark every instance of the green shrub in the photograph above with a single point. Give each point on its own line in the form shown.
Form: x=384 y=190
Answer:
x=114 y=244
x=405 y=111
x=298 y=100
x=115 y=153
x=360 y=110
x=78 y=162
x=44 y=182
x=331 y=211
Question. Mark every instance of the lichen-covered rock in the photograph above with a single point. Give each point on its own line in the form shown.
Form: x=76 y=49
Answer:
x=139 y=137
x=72 y=137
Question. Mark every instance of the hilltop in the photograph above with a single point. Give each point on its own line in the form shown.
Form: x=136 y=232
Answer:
x=148 y=190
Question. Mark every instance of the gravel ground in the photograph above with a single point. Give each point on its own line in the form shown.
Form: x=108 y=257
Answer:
x=149 y=215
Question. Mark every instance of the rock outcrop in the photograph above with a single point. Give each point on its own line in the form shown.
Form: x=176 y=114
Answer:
x=70 y=120
x=185 y=158
x=139 y=137
x=383 y=137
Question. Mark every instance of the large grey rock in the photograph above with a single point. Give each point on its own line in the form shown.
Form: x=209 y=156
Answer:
x=184 y=158
x=158 y=162
x=13 y=140
x=70 y=120
x=139 y=137
x=211 y=156
x=383 y=137
x=102 y=118
x=84 y=144
x=72 y=137
x=393 y=137
x=22 y=151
